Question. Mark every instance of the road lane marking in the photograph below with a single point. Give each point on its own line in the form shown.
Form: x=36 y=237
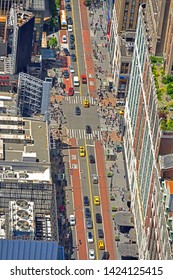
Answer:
x=91 y=199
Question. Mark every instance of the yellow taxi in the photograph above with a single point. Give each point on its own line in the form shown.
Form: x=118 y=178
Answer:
x=96 y=200
x=121 y=112
x=101 y=245
x=82 y=151
x=86 y=103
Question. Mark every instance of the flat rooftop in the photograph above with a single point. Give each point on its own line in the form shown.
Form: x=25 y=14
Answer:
x=166 y=161
x=124 y=219
x=37 y=130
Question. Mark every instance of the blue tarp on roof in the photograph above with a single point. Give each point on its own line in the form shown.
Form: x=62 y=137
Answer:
x=30 y=250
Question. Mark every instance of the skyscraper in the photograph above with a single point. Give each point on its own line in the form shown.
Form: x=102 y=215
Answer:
x=5 y=5
x=127 y=14
x=145 y=128
x=20 y=27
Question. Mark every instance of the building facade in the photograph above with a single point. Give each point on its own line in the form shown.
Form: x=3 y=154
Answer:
x=33 y=95
x=142 y=141
x=122 y=35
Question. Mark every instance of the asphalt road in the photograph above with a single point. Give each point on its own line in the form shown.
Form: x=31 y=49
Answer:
x=80 y=169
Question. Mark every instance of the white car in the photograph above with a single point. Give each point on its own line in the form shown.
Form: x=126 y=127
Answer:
x=70 y=28
x=91 y=254
x=64 y=39
x=90 y=238
x=72 y=220
x=71 y=69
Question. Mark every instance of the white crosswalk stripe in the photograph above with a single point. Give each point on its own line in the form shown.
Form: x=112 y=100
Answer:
x=81 y=134
x=79 y=99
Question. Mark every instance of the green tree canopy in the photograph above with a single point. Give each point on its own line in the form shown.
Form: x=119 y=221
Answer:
x=53 y=42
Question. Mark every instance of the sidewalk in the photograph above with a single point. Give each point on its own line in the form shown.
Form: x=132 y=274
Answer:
x=111 y=124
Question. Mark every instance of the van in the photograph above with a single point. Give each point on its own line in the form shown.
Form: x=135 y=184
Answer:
x=101 y=245
x=76 y=82
x=95 y=179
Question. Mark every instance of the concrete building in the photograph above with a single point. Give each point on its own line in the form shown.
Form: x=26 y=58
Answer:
x=122 y=35
x=127 y=14
x=145 y=132
x=168 y=44
x=5 y=5
x=25 y=179
x=20 y=26
x=33 y=95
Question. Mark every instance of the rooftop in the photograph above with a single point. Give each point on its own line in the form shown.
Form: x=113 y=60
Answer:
x=30 y=250
x=128 y=250
x=164 y=89
x=124 y=219
x=166 y=161
x=25 y=147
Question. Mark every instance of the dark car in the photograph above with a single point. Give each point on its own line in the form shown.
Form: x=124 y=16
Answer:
x=105 y=256
x=70 y=21
x=68 y=7
x=73 y=57
x=98 y=218
x=89 y=223
x=92 y=159
x=77 y=111
x=66 y=74
x=88 y=129
x=86 y=201
x=72 y=46
x=67 y=52
x=87 y=213
x=72 y=38
x=100 y=233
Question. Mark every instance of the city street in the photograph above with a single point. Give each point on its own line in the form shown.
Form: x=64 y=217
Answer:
x=105 y=122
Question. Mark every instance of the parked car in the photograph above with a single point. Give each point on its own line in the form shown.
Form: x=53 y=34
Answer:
x=66 y=74
x=64 y=38
x=87 y=213
x=91 y=254
x=66 y=51
x=72 y=46
x=100 y=233
x=71 y=69
x=72 y=38
x=69 y=20
x=89 y=223
x=98 y=218
x=72 y=220
x=90 y=238
x=105 y=256
x=73 y=57
x=68 y=8
x=70 y=28
x=86 y=201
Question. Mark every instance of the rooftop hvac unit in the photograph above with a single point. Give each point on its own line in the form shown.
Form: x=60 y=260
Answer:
x=23 y=214
x=22 y=203
x=23 y=225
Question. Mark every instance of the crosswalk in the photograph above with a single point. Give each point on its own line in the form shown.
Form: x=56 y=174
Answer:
x=79 y=100
x=81 y=134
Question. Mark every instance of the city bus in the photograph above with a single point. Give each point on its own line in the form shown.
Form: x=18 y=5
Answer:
x=63 y=19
